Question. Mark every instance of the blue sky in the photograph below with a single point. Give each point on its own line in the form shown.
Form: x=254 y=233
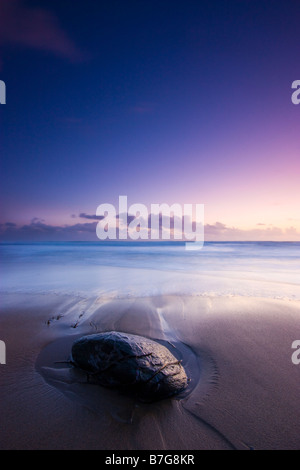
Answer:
x=163 y=101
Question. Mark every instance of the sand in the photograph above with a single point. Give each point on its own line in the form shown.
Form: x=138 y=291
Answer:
x=244 y=391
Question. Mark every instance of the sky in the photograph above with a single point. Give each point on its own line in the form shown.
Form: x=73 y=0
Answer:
x=165 y=101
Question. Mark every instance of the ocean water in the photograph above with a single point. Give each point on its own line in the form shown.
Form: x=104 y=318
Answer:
x=118 y=270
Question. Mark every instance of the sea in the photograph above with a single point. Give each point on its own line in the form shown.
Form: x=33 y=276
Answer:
x=140 y=269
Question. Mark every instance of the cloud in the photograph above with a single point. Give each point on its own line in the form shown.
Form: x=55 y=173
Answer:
x=36 y=28
x=122 y=218
x=83 y=215
x=218 y=227
x=221 y=232
x=37 y=220
x=38 y=230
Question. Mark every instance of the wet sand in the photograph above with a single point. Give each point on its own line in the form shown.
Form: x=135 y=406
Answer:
x=244 y=391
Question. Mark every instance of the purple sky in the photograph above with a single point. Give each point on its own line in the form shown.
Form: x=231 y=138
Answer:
x=175 y=102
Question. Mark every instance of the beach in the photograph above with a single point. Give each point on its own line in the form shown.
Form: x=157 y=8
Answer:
x=236 y=349
x=149 y=227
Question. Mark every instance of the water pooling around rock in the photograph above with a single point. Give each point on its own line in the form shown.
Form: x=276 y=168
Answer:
x=150 y=318
x=130 y=363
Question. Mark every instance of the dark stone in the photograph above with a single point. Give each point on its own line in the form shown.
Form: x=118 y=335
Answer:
x=130 y=363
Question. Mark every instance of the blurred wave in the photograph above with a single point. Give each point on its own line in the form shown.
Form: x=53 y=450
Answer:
x=115 y=269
